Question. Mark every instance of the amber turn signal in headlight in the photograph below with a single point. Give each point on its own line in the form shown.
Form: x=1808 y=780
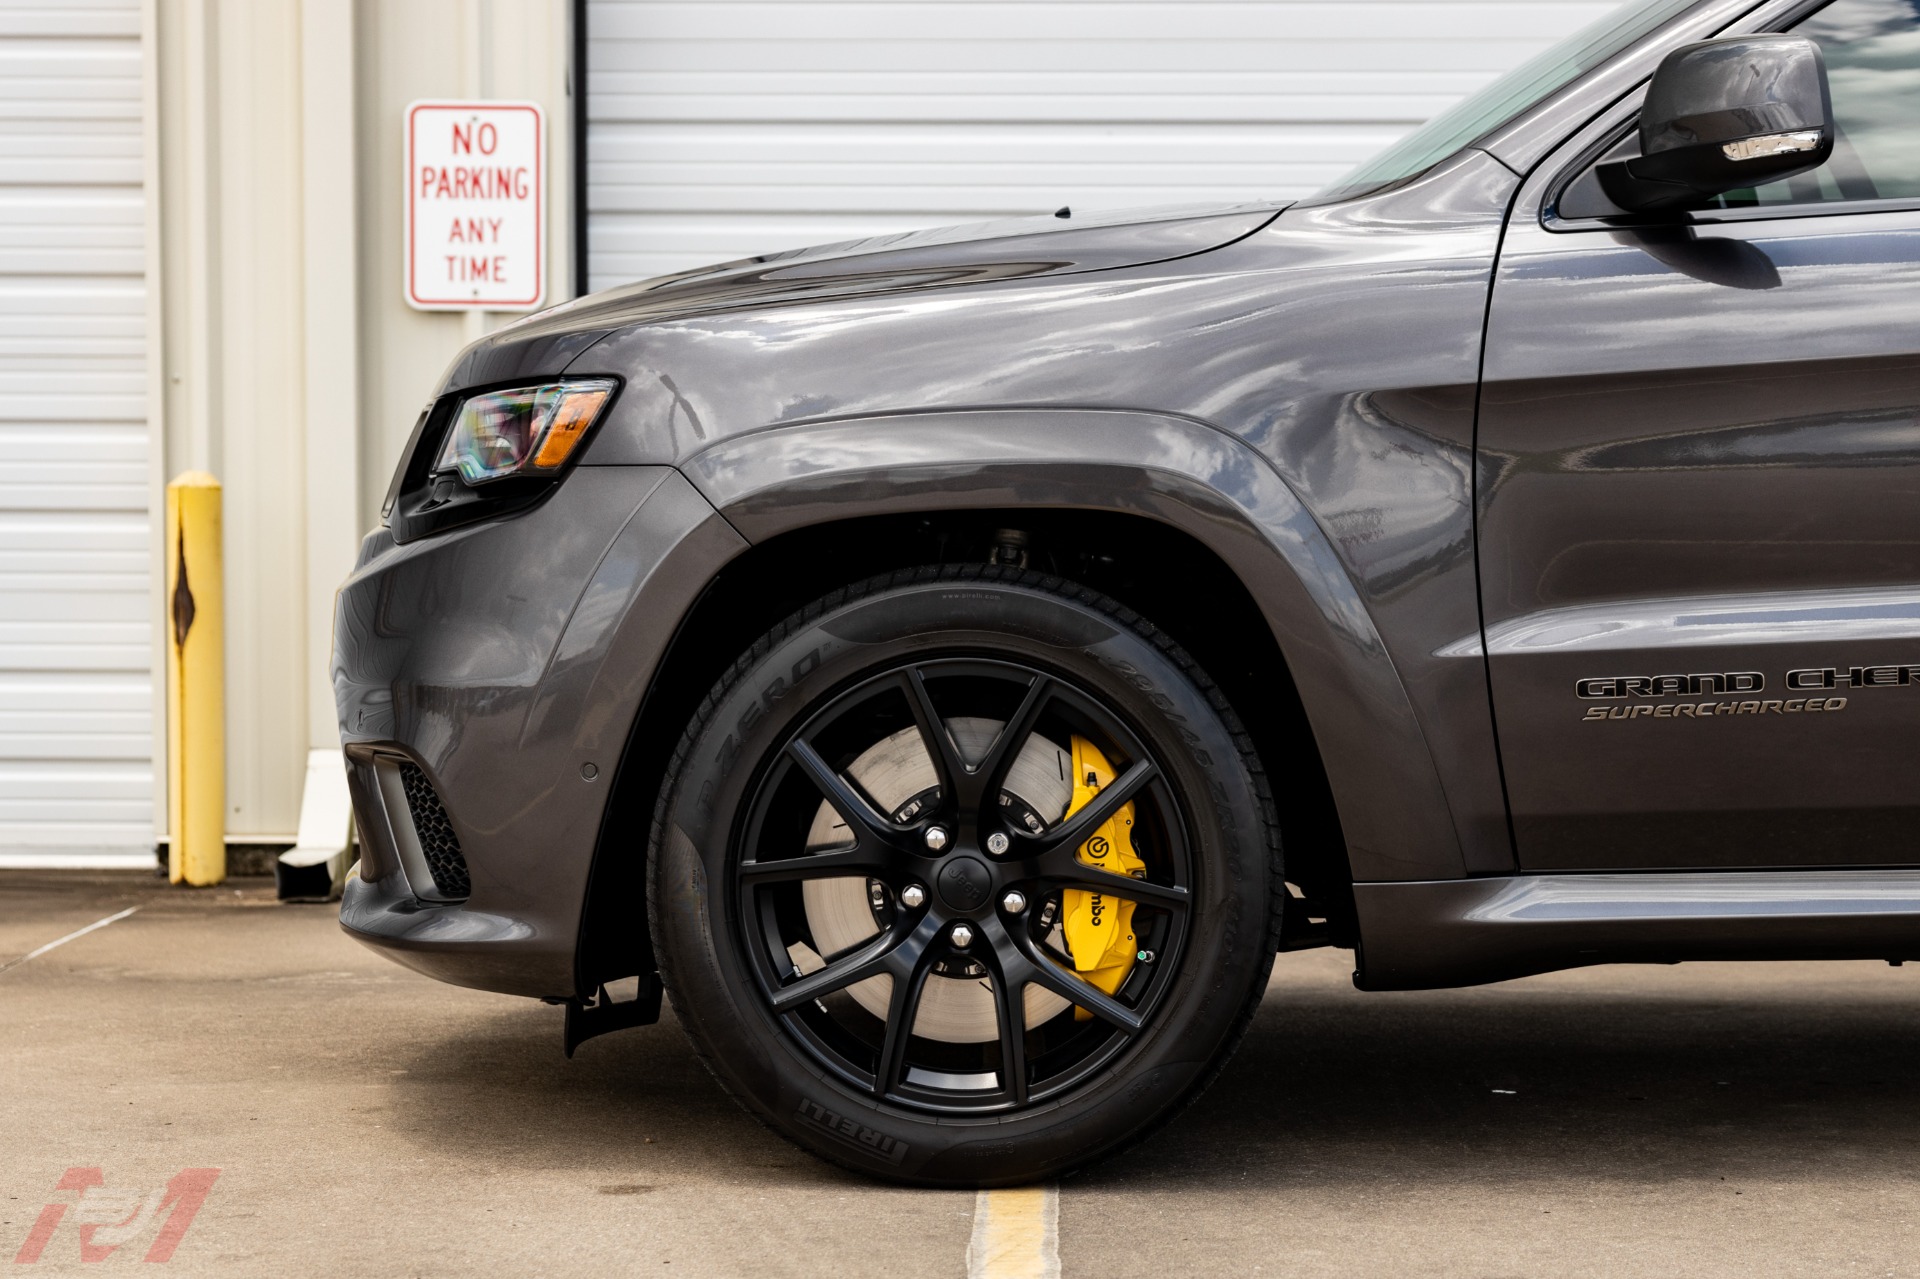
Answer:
x=525 y=431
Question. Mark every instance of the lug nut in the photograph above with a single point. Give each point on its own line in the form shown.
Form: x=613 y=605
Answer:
x=912 y=896
x=962 y=936
x=998 y=843
x=1014 y=902
x=936 y=838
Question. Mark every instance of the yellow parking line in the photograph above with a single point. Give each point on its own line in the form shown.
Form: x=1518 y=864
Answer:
x=1016 y=1234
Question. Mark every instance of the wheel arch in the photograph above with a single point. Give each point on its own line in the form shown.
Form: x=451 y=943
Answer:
x=1176 y=519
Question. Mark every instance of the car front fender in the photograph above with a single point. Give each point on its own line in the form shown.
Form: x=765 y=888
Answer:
x=1179 y=471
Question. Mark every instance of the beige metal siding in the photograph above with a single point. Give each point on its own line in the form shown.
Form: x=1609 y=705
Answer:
x=75 y=685
x=719 y=128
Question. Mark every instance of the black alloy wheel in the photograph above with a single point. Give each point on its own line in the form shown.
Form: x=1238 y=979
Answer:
x=890 y=829
x=942 y=886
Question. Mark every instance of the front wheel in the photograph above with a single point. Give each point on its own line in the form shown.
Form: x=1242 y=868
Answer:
x=964 y=876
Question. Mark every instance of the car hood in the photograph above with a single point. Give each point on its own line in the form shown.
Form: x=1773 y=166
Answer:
x=1016 y=248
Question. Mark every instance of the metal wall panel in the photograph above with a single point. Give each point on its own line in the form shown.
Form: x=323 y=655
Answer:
x=75 y=689
x=720 y=128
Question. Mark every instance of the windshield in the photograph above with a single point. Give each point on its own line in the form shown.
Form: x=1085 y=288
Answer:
x=1507 y=97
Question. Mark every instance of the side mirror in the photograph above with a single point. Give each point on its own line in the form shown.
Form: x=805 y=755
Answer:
x=1725 y=114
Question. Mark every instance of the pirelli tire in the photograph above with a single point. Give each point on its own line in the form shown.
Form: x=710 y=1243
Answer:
x=909 y=727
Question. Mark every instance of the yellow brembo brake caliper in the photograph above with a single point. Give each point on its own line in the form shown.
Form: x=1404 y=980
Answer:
x=1099 y=926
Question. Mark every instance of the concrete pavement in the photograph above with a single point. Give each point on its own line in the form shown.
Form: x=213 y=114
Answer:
x=1700 y=1120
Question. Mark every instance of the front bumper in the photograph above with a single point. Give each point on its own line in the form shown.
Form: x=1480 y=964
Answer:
x=506 y=662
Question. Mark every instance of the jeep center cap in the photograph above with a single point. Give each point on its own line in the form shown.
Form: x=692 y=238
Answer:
x=965 y=883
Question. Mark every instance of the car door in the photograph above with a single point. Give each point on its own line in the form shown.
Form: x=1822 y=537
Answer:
x=1699 y=500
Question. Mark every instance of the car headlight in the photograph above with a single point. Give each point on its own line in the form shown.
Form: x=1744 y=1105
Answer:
x=529 y=430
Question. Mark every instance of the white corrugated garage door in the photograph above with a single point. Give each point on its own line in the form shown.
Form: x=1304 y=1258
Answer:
x=75 y=692
x=720 y=128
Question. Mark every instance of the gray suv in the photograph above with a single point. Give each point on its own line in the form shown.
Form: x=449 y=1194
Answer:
x=951 y=666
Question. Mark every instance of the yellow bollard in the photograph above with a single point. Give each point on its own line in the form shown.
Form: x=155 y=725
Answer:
x=196 y=684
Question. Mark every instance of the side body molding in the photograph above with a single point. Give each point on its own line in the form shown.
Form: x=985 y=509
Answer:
x=1181 y=472
x=1466 y=931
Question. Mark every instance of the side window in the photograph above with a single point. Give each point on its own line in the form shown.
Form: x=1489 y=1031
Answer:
x=1872 y=48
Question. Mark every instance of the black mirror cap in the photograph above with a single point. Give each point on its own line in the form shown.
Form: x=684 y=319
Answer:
x=1725 y=114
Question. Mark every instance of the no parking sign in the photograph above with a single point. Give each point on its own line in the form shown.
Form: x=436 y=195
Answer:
x=476 y=206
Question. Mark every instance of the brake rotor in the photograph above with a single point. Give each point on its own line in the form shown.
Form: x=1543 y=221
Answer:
x=955 y=1008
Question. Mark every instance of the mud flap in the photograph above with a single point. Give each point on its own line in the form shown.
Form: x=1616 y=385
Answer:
x=604 y=1016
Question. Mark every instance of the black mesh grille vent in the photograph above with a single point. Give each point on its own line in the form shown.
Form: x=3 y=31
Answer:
x=437 y=840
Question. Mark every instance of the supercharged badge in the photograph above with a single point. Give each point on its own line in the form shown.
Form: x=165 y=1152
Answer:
x=1708 y=710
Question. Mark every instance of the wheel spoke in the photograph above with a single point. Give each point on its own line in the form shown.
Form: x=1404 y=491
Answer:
x=910 y=966
x=866 y=822
x=1065 y=870
x=1084 y=994
x=994 y=765
x=971 y=788
x=1010 y=1010
x=858 y=860
x=869 y=960
x=1098 y=811
x=936 y=737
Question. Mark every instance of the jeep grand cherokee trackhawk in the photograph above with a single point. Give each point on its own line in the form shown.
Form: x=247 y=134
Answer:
x=951 y=665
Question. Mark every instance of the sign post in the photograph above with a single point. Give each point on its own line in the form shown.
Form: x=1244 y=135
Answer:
x=476 y=233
